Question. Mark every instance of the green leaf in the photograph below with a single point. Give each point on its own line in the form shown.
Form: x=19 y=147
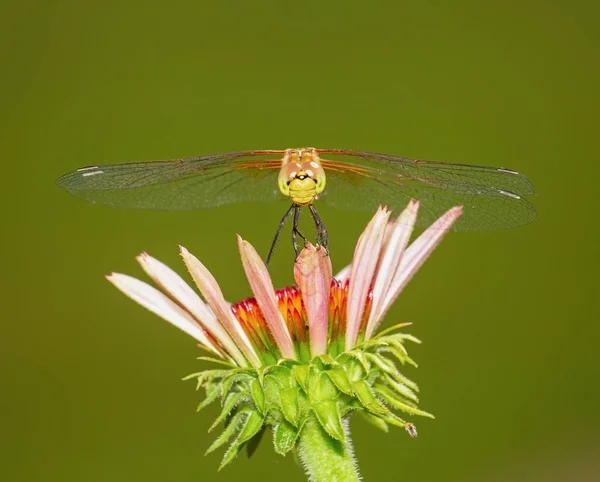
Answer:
x=374 y=420
x=367 y=398
x=289 y=405
x=230 y=429
x=329 y=418
x=338 y=376
x=252 y=425
x=284 y=437
x=210 y=398
x=230 y=403
x=258 y=395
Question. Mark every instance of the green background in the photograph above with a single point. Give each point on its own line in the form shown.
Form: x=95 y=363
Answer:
x=91 y=386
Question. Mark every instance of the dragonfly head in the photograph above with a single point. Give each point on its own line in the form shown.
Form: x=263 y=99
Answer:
x=301 y=176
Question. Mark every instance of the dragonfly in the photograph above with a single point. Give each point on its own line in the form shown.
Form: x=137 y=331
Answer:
x=492 y=198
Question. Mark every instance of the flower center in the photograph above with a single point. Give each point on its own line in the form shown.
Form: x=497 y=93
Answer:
x=291 y=306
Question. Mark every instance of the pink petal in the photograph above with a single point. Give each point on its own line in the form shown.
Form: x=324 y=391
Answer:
x=161 y=305
x=364 y=263
x=262 y=287
x=417 y=253
x=397 y=236
x=313 y=275
x=209 y=288
x=175 y=286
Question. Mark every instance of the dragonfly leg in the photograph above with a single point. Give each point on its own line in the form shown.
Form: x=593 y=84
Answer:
x=322 y=237
x=281 y=224
x=296 y=231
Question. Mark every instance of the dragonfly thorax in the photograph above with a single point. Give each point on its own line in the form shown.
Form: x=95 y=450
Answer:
x=301 y=176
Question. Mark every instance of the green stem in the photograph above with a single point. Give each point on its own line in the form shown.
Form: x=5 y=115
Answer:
x=324 y=458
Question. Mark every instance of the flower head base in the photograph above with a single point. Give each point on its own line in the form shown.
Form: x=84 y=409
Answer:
x=304 y=354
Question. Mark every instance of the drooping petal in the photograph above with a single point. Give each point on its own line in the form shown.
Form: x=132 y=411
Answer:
x=262 y=287
x=174 y=285
x=364 y=263
x=209 y=288
x=313 y=275
x=397 y=236
x=416 y=254
x=161 y=305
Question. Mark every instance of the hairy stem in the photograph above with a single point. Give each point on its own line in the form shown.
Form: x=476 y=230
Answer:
x=324 y=458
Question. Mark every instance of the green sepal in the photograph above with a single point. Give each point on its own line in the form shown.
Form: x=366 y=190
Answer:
x=258 y=395
x=289 y=405
x=354 y=367
x=323 y=362
x=254 y=442
x=230 y=403
x=402 y=337
x=321 y=387
x=252 y=425
x=206 y=375
x=284 y=437
x=328 y=416
x=368 y=399
x=381 y=363
x=374 y=420
x=404 y=380
x=404 y=358
x=339 y=377
x=400 y=388
x=280 y=372
x=229 y=381
x=383 y=333
x=360 y=357
x=392 y=399
x=228 y=432
x=300 y=373
x=210 y=398
x=215 y=360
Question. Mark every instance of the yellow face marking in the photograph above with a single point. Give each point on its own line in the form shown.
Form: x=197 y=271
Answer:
x=301 y=176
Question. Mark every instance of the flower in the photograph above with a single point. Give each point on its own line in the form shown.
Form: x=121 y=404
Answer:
x=307 y=355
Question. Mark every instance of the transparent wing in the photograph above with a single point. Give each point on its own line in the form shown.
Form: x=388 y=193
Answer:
x=179 y=184
x=492 y=197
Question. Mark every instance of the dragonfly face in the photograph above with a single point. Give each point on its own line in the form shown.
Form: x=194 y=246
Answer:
x=301 y=177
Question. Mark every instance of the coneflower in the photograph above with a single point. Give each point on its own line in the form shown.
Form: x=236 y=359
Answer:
x=300 y=360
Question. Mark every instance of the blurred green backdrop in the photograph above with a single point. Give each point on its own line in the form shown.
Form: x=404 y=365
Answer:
x=91 y=386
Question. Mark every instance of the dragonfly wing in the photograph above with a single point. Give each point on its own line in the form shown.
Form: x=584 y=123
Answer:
x=485 y=208
x=445 y=175
x=181 y=184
